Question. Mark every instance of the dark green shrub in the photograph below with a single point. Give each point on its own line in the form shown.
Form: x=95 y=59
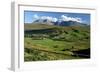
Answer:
x=55 y=46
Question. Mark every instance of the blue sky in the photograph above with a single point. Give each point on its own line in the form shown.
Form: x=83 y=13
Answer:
x=31 y=16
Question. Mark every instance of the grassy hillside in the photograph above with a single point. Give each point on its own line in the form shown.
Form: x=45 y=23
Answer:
x=37 y=26
x=50 y=42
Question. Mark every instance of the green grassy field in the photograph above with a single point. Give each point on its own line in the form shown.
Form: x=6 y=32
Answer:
x=47 y=42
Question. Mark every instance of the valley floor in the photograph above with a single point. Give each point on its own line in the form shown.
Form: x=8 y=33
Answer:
x=48 y=49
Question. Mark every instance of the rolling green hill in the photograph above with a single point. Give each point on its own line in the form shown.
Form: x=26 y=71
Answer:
x=51 y=42
x=37 y=26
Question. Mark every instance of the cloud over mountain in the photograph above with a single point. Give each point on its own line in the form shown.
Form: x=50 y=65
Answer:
x=66 y=18
x=62 y=20
x=54 y=19
x=49 y=18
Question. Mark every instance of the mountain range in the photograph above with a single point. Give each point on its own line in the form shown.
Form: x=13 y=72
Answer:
x=59 y=22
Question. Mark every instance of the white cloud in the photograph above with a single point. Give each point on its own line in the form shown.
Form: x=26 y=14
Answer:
x=66 y=18
x=53 y=19
x=36 y=16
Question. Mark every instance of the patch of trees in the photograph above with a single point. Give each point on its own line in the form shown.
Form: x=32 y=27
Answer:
x=68 y=49
x=75 y=30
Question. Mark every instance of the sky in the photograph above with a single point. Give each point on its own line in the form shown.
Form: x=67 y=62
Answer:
x=31 y=16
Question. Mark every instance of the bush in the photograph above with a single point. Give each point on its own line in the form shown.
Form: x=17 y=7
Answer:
x=55 y=46
x=65 y=49
x=75 y=30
